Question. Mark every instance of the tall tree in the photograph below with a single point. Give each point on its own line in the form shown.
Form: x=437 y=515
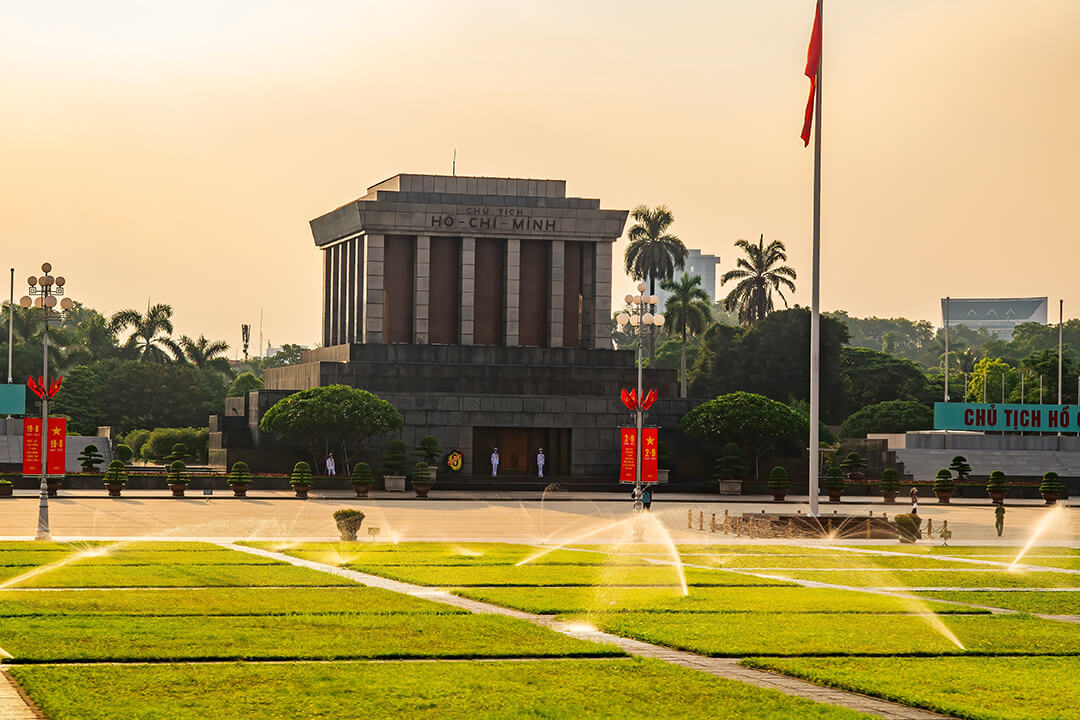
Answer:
x=654 y=253
x=205 y=354
x=151 y=337
x=688 y=312
x=759 y=273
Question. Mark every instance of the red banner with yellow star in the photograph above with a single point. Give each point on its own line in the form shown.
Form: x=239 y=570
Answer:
x=57 y=448
x=628 y=455
x=649 y=455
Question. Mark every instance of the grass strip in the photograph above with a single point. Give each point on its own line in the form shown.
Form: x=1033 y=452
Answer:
x=996 y=550
x=937 y=578
x=30 y=558
x=792 y=634
x=216 y=601
x=563 y=575
x=851 y=561
x=218 y=556
x=1030 y=688
x=323 y=637
x=556 y=557
x=629 y=689
x=1065 y=602
x=180 y=576
x=554 y=601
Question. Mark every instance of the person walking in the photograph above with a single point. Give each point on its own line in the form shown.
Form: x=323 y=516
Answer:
x=540 y=459
x=999 y=518
x=914 y=500
x=331 y=466
x=494 y=462
x=646 y=498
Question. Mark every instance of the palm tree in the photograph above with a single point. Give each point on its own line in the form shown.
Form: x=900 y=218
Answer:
x=688 y=311
x=204 y=353
x=653 y=253
x=150 y=338
x=758 y=274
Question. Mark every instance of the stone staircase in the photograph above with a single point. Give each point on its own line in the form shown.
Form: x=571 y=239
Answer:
x=922 y=464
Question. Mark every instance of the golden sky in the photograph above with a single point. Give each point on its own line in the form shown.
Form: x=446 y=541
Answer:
x=176 y=151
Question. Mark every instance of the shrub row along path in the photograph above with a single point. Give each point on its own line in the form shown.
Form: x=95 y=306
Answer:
x=720 y=667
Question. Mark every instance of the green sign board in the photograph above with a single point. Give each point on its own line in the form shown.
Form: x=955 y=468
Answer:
x=12 y=399
x=1001 y=417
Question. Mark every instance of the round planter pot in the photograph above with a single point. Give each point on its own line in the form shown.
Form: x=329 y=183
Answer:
x=889 y=496
x=421 y=490
x=240 y=490
x=1050 y=498
x=834 y=495
x=114 y=489
x=996 y=496
x=361 y=489
x=178 y=489
x=301 y=490
x=778 y=495
x=51 y=488
x=943 y=496
x=347 y=531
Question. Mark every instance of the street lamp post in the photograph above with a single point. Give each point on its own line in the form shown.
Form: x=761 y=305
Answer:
x=46 y=288
x=639 y=319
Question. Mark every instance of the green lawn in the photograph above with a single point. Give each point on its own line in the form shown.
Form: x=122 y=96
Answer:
x=1065 y=602
x=570 y=575
x=936 y=578
x=180 y=576
x=116 y=637
x=343 y=556
x=31 y=557
x=743 y=634
x=217 y=556
x=553 y=601
x=832 y=560
x=628 y=689
x=999 y=552
x=1035 y=688
x=215 y=601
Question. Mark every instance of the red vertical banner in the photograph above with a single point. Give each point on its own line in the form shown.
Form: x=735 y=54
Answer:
x=649 y=446
x=57 y=447
x=31 y=446
x=628 y=455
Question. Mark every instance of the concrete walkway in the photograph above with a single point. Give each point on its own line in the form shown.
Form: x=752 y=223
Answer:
x=14 y=705
x=720 y=667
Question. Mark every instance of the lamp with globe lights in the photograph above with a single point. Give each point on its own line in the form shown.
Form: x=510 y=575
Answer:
x=43 y=293
x=639 y=318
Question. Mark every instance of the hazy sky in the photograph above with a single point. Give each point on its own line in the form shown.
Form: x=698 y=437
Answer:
x=176 y=151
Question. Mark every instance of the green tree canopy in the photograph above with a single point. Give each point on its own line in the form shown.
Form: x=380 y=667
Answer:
x=872 y=377
x=653 y=253
x=759 y=274
x=687 y=312
x=151 y=334
x=324 y=419
x=892 y=416
x=244 y=383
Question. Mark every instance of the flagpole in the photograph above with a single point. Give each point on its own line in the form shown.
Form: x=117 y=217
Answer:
x=815 y=309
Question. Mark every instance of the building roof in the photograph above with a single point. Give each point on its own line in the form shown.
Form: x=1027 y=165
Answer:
x=982 y=311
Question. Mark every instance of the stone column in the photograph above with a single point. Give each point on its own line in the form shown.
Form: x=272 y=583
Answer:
x=468 y=289
x=373 y=308
x=422 y=289
x=328 y=266
x=513 y=291
x=602 y=306
x=356 y=330
x=588 y=299
x=335 y=294
x=350 y=291
x=343 y=289
x=557 y=293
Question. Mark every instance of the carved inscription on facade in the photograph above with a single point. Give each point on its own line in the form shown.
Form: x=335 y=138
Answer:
x=495 y=219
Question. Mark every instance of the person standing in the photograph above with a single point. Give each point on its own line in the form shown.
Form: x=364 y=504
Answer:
x=494 y=462
x=331 y=466
x=540 y=459
x=646 y=498
x=914 y=500
x=999 y=518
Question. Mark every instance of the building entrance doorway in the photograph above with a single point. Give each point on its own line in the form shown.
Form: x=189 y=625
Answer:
x=518 y=448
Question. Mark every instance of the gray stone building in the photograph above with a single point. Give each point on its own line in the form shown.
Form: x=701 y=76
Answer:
x=481 y=308
x=999 y=316
x=704 y=266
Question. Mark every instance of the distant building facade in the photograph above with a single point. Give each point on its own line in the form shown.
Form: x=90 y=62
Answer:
x=999 y=316
x=704 y=266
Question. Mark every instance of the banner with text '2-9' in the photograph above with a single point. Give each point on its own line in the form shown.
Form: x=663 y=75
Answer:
x=1002 y=417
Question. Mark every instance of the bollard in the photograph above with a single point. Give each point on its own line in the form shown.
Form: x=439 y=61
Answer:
x=727 y=526
x=751 y=527
x=701 y=520
x=790 y=528
x=867 y=529
x=712 y=523
x=829 y=530
x=689 y=519
x=738 y=526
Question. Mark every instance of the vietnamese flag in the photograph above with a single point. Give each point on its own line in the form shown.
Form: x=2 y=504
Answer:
x=813 y=63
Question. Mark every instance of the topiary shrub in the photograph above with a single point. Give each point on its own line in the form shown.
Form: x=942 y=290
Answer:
x=778 y=479
x=428 y=449
x=240 y=474
x=361 y=474
x=420 y=474
x=943 y=482
x=177 y=473
x=960 y=466
x=1050 y=487
x=890 y=480
x=179 y=452
x=124 y=453
x=301 y=474
x=394 y=458
x=853 y=465
x=348 y=522
x=116 y=477
x=996 y=485
x=834 y=479
x=730 y=465
x=90 y=458
x=907 y=526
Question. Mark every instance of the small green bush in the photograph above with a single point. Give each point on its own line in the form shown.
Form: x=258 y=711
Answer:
x=730 y=465
x=135 y=440
x=908 y=525
x=177 y=473
x=960 y=466
x=348 y=522
x=420 y=474
x=124 y=453
x=778 y=478
x=890 y=480
x=834 y=479
x=1050 y=484
x=944 y=481
x=90 y=458
x=394 y=458
x=361 y=474
x=116 y=473
x=240 y=474
x=179 y=452
x=301 y=474
x=853 y=465
x=428 y=449
x=997 y=482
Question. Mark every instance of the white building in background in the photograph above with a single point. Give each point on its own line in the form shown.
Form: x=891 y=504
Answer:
x=696 y=264
x=997 y=315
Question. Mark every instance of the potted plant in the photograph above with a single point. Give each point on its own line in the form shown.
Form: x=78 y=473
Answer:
x=834 y=483
x=239 y=479
x=179 y=452
x=115 y=478
x=1050 y=488
x=428 y=451
x=943 y=485
x=52 y=485
x=778 y=483
x=90 y=458
x=907 y=527
x=960 y=466
x=853 y=465
x=300 y=479
x=361 y=479
x=348 y=522
x=6 y=488
x=728 y=470
x=890 y=484
x=394 y=466
x=177 y=478
x=996 y=487
x=421 y=479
